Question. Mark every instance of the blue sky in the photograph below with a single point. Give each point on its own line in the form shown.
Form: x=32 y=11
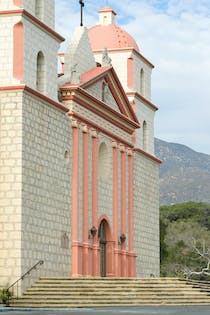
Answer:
x=175 y=36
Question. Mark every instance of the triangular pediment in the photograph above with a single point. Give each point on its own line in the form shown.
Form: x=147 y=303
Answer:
x=103 y=84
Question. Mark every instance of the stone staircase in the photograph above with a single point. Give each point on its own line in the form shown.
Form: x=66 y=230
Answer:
x=102 y=292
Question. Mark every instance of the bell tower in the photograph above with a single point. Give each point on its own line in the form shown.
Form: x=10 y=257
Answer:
x=29 y=45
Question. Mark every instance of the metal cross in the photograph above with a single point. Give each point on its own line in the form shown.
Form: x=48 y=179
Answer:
x=82 y=6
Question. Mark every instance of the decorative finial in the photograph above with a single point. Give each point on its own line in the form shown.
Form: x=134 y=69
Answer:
x=106 y=60
x=81 y=11
x=75 y=77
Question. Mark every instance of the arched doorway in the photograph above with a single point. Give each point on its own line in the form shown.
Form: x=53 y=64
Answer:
x=102 y=241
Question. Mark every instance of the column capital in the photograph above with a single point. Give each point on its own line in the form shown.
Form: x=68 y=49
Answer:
x=122 y=148
x=129 y=152
x=114 y=144
x=84 y=128
x=74 y=123
x=93 y=133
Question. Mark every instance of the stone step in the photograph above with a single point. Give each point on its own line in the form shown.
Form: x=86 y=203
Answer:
x=134 y=292
x=86 y=292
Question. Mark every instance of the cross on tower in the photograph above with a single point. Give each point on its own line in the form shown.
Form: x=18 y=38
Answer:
x=82 y=6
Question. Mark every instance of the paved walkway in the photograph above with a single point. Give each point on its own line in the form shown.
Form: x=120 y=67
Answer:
x=161 y=310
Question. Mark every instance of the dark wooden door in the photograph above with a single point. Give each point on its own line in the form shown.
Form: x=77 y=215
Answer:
x=102 y=238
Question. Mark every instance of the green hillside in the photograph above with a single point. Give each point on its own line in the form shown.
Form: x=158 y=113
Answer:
x=180 y=225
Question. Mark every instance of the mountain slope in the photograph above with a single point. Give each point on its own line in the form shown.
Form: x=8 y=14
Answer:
x=184 y=173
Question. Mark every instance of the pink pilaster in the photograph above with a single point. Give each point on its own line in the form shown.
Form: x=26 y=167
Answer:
x=115 y=207
x=95 y=257
x=123 y=209
x=75 y=184
x=85 y=259
x=132 y=257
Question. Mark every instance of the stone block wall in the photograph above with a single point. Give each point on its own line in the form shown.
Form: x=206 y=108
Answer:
x=10 y=185
x=35 y=187
x=40 y=42
x=146 y=216
x=45 y=7
x=46 y=187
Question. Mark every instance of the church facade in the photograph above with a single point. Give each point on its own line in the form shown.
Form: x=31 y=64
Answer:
x=78 y=174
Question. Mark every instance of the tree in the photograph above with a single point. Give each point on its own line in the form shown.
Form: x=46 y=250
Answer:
x=203 y=253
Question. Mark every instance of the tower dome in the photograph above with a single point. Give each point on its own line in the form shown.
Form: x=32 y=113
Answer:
x=108 y=35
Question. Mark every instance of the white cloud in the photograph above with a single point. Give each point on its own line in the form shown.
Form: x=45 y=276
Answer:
x=174 y=35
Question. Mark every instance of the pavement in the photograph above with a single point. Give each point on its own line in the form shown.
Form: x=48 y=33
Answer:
x=157 y=310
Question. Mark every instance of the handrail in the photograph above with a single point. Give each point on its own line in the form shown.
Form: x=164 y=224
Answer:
x=39 y=263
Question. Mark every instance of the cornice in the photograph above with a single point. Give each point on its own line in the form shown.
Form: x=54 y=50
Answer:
x=35 y=93
x=143 y=100
x=80 y=96
x=100 y=129
x=148 y=155
x=110 y=76
x=129 y=49
x=34 y=20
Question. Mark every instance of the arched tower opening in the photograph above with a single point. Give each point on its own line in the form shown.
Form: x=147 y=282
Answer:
x=145 y=135
x=39 y=9
x=41 y=73
x=142 y=82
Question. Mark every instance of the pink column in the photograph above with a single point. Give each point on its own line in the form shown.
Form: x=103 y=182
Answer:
x=85 y=259
x=123 y=210
x=132 y=256
x=96 y=257
x=115 y=207
x=75 y=184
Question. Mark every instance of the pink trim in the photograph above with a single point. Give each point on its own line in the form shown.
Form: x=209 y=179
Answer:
x=36 y=21
x=130 y=73
x=35 y=93
x=85 y=201
x=142 y=99
x=75 y=186
x=18 y=51
x=115 y=207
x=87 y=77
x=106 y=132
x=107 y=9
x=18 y=3
x=151 y=157
x=95 y=257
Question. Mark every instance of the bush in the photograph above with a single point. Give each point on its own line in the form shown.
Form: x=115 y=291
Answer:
x=5 y=295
